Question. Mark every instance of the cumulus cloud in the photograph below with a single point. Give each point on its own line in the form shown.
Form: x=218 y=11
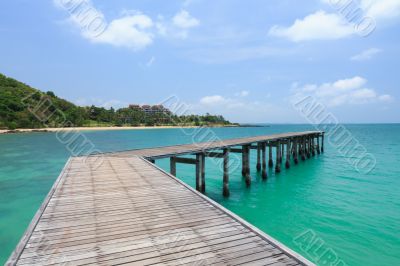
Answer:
x=242 y=109
x=350 y=17
x=212 y=100
x=317 y=26
x=381 y=9
x=341 y=92
x=184 y=20
x=178 y=27
x=130 y=31
x=366 y=54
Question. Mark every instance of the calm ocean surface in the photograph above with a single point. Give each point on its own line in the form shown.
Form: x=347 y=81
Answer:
x=357 y=216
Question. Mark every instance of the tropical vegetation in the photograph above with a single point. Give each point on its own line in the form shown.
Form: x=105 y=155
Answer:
x=22 y=106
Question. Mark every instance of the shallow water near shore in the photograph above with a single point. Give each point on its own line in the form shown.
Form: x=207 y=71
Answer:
x=355 y=216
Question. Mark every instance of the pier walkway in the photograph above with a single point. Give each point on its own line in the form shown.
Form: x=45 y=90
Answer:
x=169 y=151
x=127 y=211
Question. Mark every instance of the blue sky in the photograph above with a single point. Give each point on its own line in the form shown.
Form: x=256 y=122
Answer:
x=247 y=60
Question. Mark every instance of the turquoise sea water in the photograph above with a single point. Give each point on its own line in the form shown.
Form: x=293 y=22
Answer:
x=354 y=216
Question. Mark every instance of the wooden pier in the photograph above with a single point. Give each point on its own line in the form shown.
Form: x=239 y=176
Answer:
x=303 y=144
x=126 y=210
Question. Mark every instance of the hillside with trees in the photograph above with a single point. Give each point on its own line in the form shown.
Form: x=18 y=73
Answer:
x=22 y=106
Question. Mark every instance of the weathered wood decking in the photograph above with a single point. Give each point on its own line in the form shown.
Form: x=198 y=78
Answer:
x=129 y=211
x=165 y=152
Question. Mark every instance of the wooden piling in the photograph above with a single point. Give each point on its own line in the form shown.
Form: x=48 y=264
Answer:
x=313 y=148
x=296 y=151
x=278 y=161
x=318 y=146
x=312 y=145
x=322 y=142
x=303 y=148
x=243 y=161
x=226 y=191
x=288 y=151
x=247 y=165
x=203 y=172
x=198 y=172
x=172 y=163
x=258 y=157
x=270 y=160
x=264 y=161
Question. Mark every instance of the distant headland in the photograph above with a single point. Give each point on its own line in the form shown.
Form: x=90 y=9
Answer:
x=26 y=109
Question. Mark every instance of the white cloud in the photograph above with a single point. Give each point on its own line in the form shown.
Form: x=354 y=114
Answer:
x=349 y=84
x=341 y=92
x=244 y=110
x=178 y=27
x=131 y=32
x=317 y=26
x=386 y=98
x=366 y=54
x=381 y=9
x=213 y=100
x=377 y=9
x=184 y=20
x=132 y=29
x=350 y=17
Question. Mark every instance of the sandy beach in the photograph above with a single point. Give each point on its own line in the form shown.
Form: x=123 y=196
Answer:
x=32 y=130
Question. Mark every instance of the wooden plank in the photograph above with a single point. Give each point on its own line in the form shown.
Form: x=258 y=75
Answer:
x=28 y=233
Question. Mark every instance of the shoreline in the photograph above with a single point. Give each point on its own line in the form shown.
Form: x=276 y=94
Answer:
x=50 y=130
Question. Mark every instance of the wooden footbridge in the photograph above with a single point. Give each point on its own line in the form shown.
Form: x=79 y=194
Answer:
x=121 y=209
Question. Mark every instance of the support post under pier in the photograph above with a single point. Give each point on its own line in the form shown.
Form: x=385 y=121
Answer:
x=313 y=145
x=296 y=151
x=258 y=157
x=264 y=161
x=199 y=167
x=172 y=163
x=225 y=191
x=246 y=152
x=288 y=151
x=303 y=148
x=270 y=161
x=278 y=160
x=203 y=172
x=243 y=161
